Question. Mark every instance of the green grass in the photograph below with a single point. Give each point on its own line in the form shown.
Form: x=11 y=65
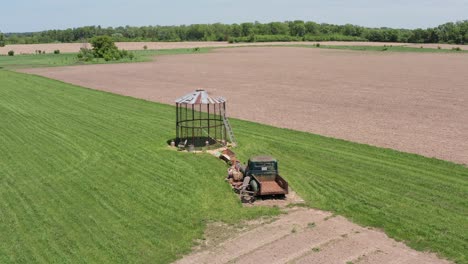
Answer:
x=86 y=176
x=69 y=59
x=384 y=48
x=419 y=200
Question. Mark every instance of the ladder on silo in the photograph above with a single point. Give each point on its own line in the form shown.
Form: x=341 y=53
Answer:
x=228 y=128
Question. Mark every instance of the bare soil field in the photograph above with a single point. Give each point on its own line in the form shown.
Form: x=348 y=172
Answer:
x=413 y=102
x=75 y=47
x=303 y=236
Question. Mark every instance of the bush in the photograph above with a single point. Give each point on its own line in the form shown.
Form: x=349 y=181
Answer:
x=145 y=47
x=317 y=45
x=85 y=54
x=196 y=49
x=108 y=57
x=104 y=47
x=56 y=51
x=456 y=48
x=11 y=53
x=125 y=54
x=251 y=38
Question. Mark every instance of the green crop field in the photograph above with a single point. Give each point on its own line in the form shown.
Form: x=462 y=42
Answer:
x=86 y=176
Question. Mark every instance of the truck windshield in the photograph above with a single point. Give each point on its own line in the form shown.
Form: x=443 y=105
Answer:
x=263 y=167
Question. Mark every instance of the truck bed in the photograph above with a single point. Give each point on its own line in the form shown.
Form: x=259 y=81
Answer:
x=271 y=187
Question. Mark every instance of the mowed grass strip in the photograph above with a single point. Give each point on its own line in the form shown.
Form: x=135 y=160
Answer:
x=87 y=176
x=386 y=48
x=21 y=61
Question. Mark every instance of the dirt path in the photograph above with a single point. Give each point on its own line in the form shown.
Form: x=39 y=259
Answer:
x=75 y=47
x=413 y=102
x=305 y=236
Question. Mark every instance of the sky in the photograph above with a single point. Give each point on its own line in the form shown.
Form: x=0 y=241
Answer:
x=33 y=15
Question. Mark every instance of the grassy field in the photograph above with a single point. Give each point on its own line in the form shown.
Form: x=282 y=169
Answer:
x=69 y=59
x=419 y=200
x=385 y=48
x=86 y=176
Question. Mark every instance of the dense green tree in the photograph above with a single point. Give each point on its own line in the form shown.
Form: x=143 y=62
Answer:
x=350 y=30
x=275 y=31
x=247 y=29
x=195 y=32
x=278 y=28
x=297 y=28
x=261 y=29
x=102 y=46
x=2 y=40
x=236 y=30
x=312 y=28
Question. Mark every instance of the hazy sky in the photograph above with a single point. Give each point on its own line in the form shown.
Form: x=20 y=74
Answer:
x=33 y=15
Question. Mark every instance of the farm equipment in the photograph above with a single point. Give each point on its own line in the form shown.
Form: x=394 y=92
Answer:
x=259 y=177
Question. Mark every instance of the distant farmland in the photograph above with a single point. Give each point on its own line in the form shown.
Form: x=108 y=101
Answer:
x=75 y=47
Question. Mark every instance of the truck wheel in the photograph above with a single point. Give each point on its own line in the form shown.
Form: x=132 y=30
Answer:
x=253 y=186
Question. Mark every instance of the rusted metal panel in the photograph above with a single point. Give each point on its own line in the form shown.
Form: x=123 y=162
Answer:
x=271 y=188
x=262 y=159
x=229 y=152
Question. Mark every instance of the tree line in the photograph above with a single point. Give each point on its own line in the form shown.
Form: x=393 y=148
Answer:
x=452 y=32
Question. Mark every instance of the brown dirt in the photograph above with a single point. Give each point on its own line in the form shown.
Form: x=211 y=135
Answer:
x=75 y=47
x=413 y=102
x=303 y=236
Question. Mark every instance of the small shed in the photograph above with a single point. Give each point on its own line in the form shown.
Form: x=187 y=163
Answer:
x=201 y=121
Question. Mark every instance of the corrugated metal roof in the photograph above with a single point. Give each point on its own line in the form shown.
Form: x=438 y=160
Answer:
x=199 y=97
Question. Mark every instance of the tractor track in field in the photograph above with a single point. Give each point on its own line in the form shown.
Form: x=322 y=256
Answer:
x=303 y=236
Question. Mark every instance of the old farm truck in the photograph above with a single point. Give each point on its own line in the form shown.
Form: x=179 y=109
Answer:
x=265 y=179
x=259 y=177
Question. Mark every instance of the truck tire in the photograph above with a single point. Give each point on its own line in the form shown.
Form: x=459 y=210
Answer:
x=254 y=186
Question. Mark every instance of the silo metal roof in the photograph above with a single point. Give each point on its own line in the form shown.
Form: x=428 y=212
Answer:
x=199 y=97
